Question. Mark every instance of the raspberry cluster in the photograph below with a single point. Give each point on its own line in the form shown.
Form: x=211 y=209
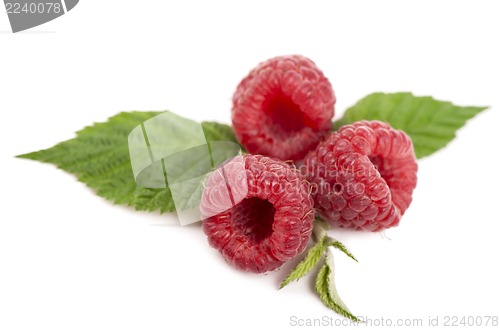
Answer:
x=259 y=210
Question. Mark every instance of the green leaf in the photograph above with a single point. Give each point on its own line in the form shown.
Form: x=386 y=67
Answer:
x=99 y=157
x=218 y=132
x=339 y=246
x=325 y=287
x=312 y=258
x=430 y=123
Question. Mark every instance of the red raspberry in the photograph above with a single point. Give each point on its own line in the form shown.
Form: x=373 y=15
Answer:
x=363 y=176
x=283 y=108
x=261 y=212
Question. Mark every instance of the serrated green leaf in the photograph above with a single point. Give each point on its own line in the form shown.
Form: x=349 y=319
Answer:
x=339 y=246
x=312 y=258
x=325 y=287
x=218 y=132
x=430 y=123
x=99 y=157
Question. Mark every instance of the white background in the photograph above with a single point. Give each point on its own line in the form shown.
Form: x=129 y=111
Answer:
x=70 y=260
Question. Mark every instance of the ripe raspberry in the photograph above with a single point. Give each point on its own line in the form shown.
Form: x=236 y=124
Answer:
x=261 y=212
x=363 y=176
x=283 y=108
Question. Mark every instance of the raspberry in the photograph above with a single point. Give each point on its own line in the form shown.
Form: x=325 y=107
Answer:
x=283 y=108
x=363 y=176
x=261 y=212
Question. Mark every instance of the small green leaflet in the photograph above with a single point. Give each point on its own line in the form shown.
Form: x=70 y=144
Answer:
x=99 y=157
x=339 y=246
x=312 y=258
x=325 y=286
x=430 y=123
